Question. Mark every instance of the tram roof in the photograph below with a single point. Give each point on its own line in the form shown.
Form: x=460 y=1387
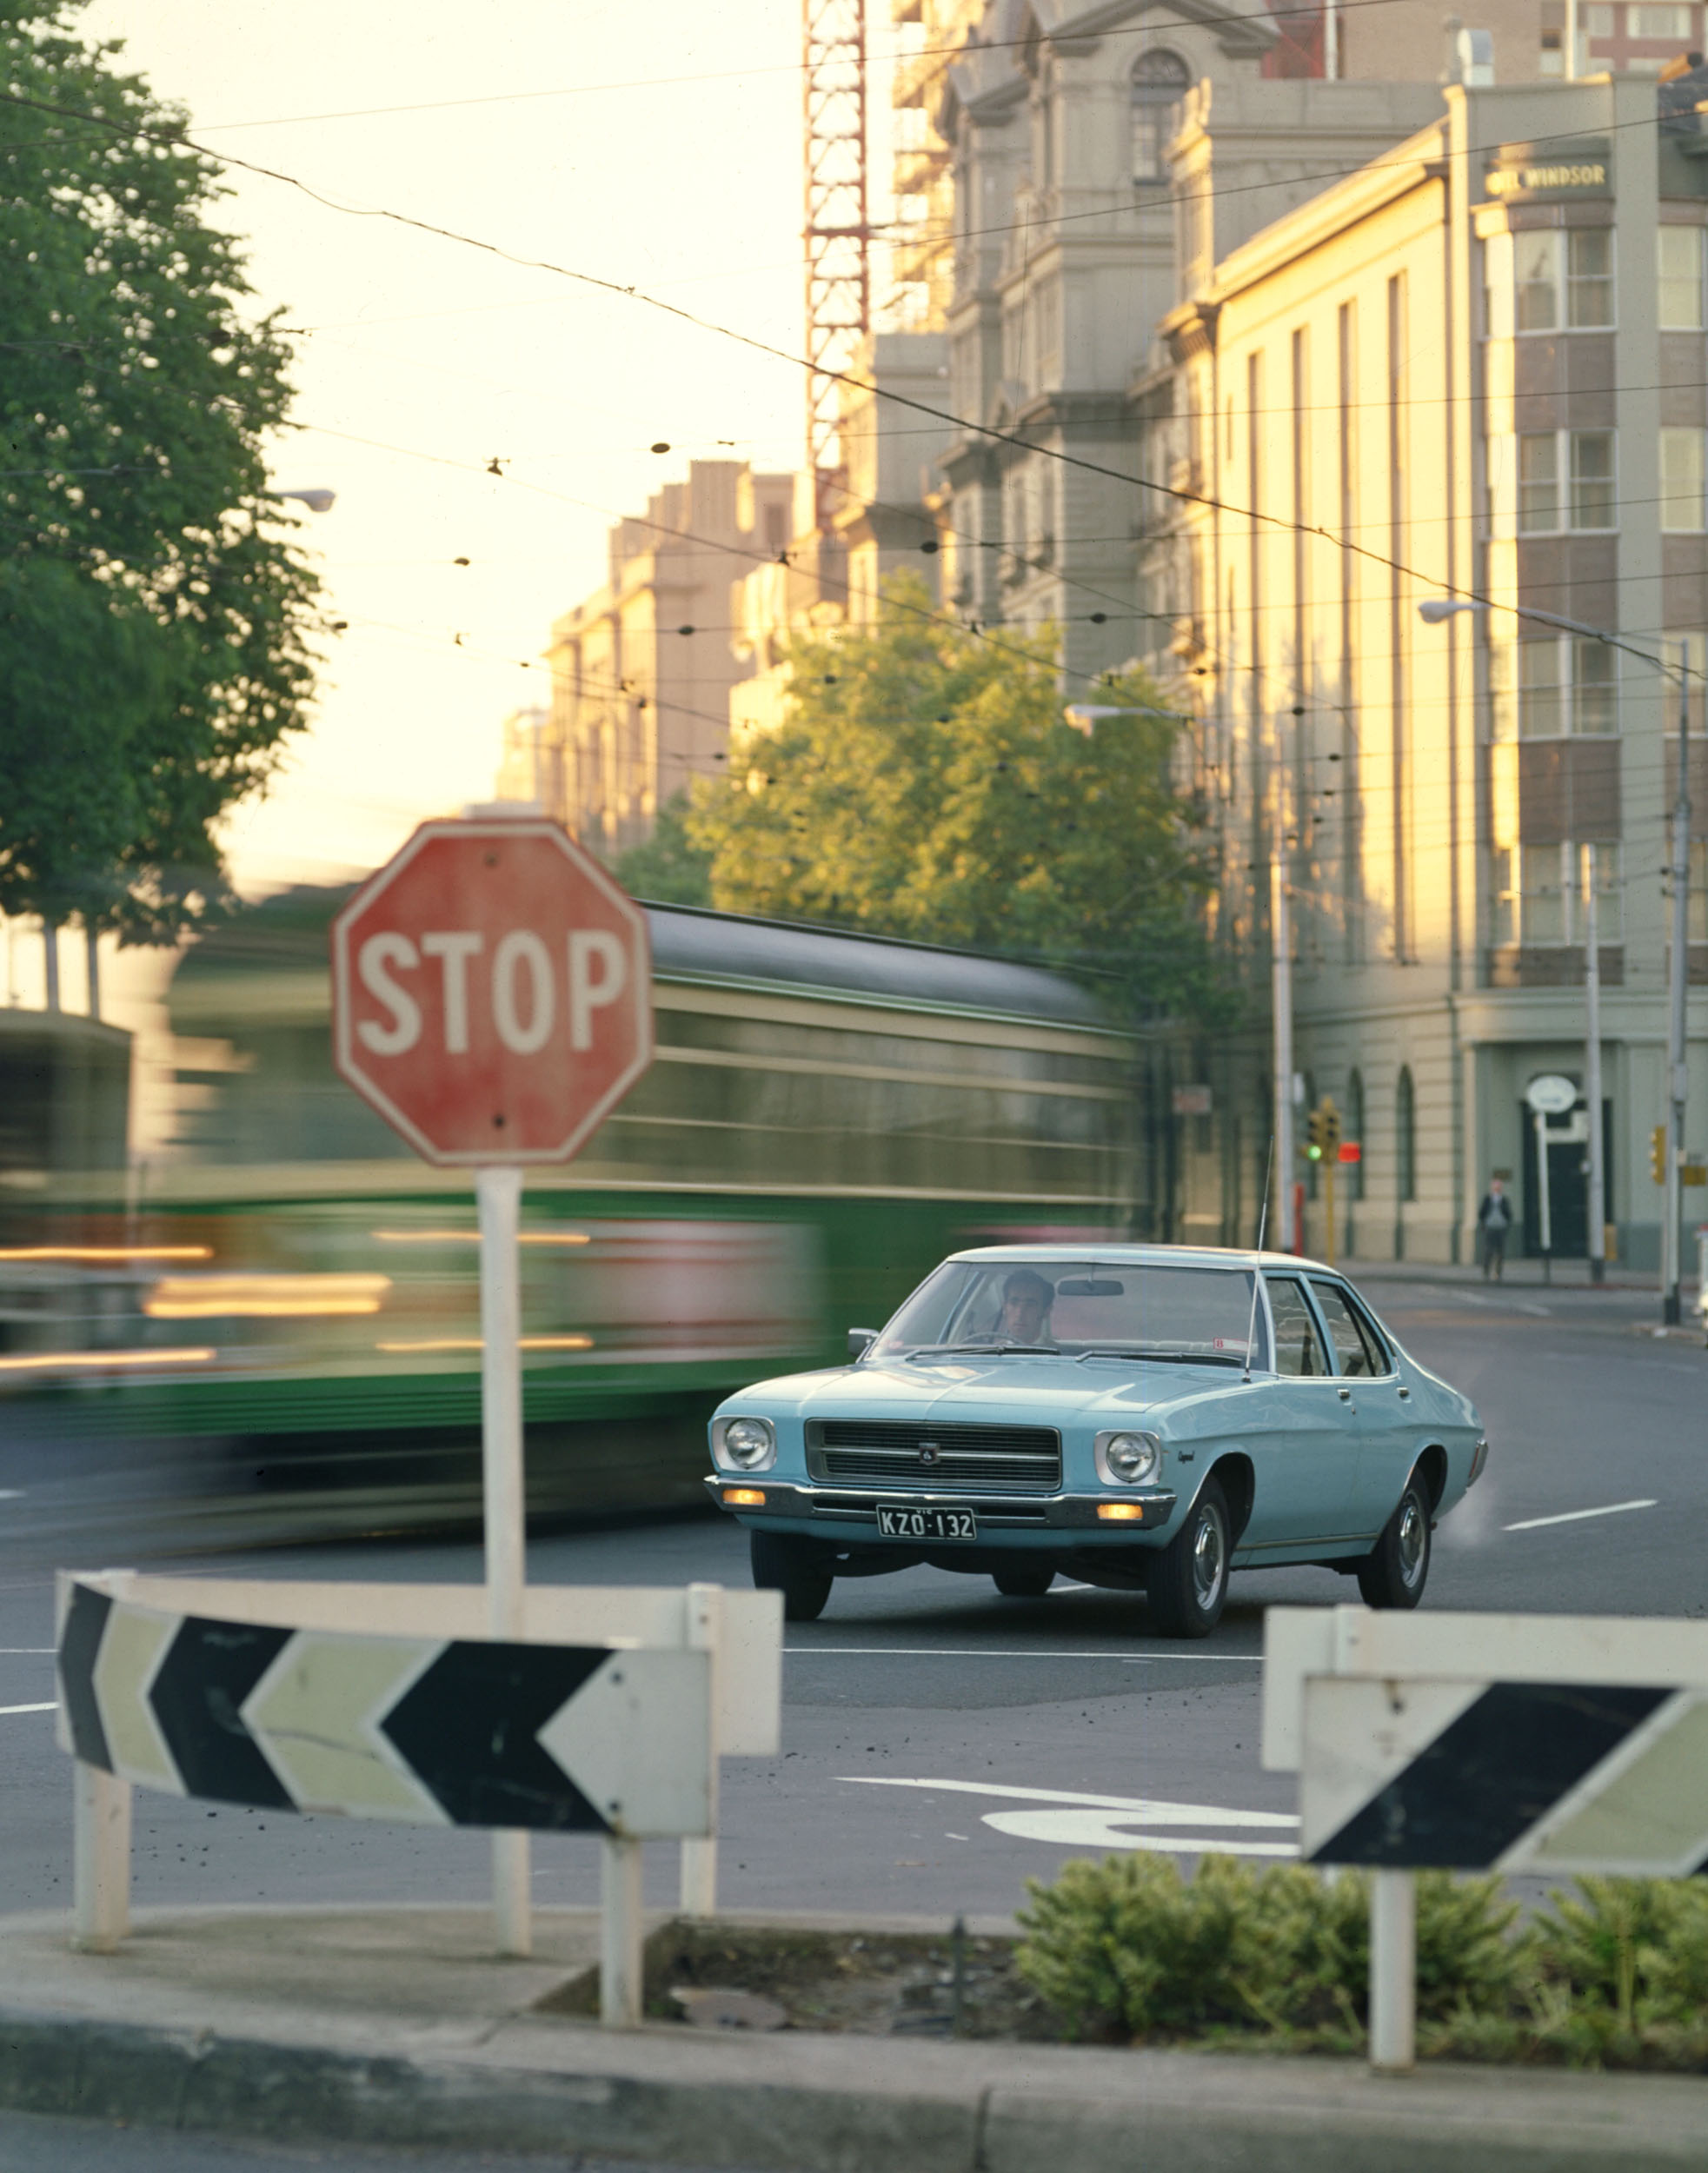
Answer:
x=286 y=934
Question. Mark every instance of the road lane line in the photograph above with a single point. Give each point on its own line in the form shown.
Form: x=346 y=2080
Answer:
x=8 y=1650
x=1112 y=1830
x=990 y=1652
x=1577 y=1516
x=1136 y=1809
x=52 y=1705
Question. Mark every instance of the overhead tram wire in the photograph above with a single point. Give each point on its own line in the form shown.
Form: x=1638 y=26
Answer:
x=180 y=139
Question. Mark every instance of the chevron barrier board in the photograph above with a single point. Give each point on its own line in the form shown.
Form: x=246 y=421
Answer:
x=1513 y=1743
x=426 y=1730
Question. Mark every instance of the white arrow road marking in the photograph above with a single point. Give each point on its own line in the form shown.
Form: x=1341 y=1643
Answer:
x=316 y=1714
x=1103 y=1821
x=52 y=1705
x=636 y=1739
x=1577 y=1516
x=1112 y=1830
x=133 y=1645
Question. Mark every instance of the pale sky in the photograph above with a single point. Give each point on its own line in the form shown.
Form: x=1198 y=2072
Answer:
x=684 y=179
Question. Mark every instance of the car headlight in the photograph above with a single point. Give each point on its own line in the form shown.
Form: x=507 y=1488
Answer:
x=747 y=1444
x=1128 y=1459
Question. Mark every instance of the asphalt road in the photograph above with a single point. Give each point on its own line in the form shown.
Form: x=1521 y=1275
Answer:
x=940 y=1744
x=30 y=2141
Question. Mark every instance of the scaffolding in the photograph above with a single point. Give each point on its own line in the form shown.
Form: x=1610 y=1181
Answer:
x=839 y=232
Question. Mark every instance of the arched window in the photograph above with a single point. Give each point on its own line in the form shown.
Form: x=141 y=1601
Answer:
x=1160 y=80
x=1406 y=1138
x=1353 y=1129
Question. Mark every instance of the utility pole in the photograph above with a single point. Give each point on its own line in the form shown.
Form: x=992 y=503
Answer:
x=1281 y=996
x=1677 y=1073
x=1592 y=1068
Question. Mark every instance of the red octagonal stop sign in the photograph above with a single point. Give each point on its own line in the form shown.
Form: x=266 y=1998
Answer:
x=492 y=992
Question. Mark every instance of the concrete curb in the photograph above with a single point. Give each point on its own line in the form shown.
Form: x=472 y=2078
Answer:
x=887 y=2109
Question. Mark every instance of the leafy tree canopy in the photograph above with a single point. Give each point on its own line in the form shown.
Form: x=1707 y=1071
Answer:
x=924 y=784
x=154 y=617
x=669 y=868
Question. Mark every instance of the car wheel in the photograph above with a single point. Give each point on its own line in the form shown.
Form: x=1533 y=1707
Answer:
x=1186 y=1585
x=1017 y=1582
x=1396 y=1570
x=793 y=1567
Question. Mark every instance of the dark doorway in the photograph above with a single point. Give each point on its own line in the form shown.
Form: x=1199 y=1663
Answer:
x=1568 y=1179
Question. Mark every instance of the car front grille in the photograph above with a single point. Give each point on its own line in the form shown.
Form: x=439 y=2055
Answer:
x=925 y=1458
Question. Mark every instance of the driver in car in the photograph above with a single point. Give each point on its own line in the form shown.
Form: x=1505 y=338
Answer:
x=1027 y=1299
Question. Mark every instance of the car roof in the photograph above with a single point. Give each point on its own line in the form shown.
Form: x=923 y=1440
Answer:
x=1216 y=1256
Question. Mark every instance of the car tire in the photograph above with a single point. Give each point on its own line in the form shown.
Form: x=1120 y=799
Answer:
x=794 y=1568
x=1018 y=1582
x=1186 y=1587
x=1396 y=1569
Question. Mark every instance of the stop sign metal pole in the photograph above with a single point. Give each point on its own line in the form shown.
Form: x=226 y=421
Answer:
x=498 y=1192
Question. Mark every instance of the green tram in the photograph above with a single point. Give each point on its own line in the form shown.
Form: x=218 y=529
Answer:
x=826 y=1117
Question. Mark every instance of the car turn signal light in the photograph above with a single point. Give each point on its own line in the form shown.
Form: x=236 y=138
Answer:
x=1121 y=1512
x=744 y=1498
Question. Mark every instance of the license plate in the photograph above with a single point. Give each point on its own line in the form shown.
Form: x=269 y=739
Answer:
x=901 y=1520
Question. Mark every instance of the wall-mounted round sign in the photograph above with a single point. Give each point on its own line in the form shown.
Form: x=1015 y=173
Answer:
x=1552 y=1095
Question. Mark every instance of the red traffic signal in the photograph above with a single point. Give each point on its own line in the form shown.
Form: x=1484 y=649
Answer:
x=1350 y=1150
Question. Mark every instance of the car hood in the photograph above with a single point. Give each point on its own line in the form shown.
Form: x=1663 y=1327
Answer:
x=1046 y=1390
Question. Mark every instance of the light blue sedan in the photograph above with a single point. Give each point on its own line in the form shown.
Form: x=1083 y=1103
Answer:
x=1148 y=1417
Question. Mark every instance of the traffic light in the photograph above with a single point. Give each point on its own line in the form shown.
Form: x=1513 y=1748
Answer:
x=1313 y=1136
x=1331 y=1118
x=1658 y=1153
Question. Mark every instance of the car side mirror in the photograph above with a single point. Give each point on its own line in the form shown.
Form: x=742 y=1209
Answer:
x=860 y=1341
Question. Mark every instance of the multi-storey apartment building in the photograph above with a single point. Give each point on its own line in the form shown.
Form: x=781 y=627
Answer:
x=642 y=670
x=1473 y=371
x=1068 y=228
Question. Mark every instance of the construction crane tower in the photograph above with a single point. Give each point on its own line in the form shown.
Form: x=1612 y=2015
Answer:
x=838 y=232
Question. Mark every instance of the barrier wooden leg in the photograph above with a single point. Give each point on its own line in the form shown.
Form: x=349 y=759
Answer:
x=1393 y=1970
x=620 y=1935
x=700 y=1855
x=100 y=1860
x=512 y=1917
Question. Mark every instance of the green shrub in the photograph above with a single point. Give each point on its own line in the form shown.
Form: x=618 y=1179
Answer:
x=1129 y=1948
x=1629 y=1951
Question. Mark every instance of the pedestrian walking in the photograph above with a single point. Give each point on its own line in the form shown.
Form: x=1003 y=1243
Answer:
x=1494 y=1220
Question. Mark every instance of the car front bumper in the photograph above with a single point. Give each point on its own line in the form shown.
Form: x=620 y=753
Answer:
x=851 y=1515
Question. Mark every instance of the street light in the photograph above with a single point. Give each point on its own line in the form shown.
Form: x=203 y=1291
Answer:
x=317 y=497
x=1432 y=610
x=1085 y=716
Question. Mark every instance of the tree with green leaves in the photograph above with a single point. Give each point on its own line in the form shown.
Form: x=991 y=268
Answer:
x=154 y=618
x=925 y=784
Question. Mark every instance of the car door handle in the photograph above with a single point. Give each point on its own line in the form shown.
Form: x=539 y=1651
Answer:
x=1405 y=1395
x=1345 y=1395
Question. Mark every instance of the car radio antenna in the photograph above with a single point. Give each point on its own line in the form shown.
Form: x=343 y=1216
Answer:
x=1257 y=1257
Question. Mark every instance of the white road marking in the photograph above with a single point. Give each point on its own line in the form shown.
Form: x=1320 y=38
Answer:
x=993 y=1653
x=1112 y=1830
x=1078 y=1821
x=11 y=1493
x=8 y=1650
x=1071 y=1587
x=1577 y=1516
x=52 y=1705
x=1139 y=1810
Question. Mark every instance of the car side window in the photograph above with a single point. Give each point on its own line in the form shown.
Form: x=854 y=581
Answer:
x=1351 y=1338
x=1299 y=1348
x=1381 y=1351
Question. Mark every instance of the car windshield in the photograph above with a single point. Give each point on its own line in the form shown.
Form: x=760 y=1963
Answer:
x=1078 y=1308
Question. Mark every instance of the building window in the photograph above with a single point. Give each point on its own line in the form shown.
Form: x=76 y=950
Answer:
x=1160 y=81
x=1577 y=263
x=1536 y=894
x=1672 y=21
x=1679 y=264
x=1598 y=20
x=1566 y=481
x=1695 y=660
x=1562 y=685
x=1696 y=921
x=1405 y=1135
x=1681 y=470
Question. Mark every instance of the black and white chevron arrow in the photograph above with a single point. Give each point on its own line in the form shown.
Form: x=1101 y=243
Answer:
x=1533 y=1777
x=423 y=1731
